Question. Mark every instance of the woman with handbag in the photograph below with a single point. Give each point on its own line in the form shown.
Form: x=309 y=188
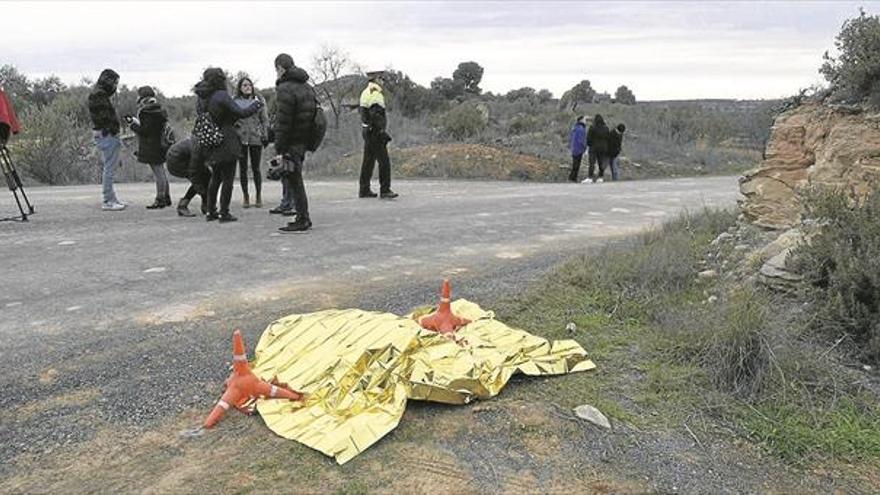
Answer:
x=217 y=140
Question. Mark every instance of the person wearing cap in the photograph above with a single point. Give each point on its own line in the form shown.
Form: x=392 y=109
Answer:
x=296 y=104
x=149 y=125
x=373 y=123
x=105 y=127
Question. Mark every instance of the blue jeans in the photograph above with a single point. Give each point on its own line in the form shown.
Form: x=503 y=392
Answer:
x=615 y=168
x=286 y=196
x=109 y=147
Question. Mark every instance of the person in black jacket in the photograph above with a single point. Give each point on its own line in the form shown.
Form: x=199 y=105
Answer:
x=215 y=100
x=149 y=127
x=615 y=146
x=296 y=104
x=598 y=136
x=179 y=155
x=376 y=139
x=105 y=124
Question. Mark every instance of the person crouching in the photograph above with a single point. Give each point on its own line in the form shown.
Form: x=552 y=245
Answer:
x=178 y=160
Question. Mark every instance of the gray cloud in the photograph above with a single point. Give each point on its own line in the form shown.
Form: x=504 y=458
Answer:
x=660 y=49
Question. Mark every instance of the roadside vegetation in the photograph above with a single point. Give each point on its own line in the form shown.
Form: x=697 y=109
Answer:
x=722 y=357
x=676 y=138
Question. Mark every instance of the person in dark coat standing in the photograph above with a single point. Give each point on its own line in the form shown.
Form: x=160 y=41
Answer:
x=178 y=159
x=376 y=139
x=296 y=104
x=253 y=132
x=615 y=146
x=105 y=126
x=214 y=99
x=578 y=145
x=598 y=136
x=149 y=125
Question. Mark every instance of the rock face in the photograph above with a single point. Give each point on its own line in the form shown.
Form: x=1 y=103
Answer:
x=813 y=144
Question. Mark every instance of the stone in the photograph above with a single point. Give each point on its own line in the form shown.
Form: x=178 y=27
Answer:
x=741 y=247
x=707 y=274
x=592 y=415
x=810 y=145
x=724 y=236
x=571 y=327
x=712 y=299
x=775 y=273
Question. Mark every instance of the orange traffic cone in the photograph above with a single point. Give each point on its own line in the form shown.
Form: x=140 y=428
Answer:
x=243 y=386
x=443 y=320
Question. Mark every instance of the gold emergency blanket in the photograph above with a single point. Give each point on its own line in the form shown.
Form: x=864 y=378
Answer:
x=359 y=368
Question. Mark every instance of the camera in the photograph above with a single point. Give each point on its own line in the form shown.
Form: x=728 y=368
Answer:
x=274 y=172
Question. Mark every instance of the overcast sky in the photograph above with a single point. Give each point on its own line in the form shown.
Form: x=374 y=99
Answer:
x=661 y=50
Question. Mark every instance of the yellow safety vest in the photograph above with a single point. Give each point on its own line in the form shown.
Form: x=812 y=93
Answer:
x=372 y=95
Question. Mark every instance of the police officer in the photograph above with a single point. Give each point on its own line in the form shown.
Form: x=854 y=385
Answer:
x=373 y=121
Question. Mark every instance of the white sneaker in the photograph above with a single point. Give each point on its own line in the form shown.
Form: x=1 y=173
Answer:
x=587 y=181
x=599 y=180
x=113 y=206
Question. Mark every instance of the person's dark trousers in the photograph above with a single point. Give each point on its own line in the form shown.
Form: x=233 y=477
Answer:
x=254 y=152
x=575 y=167
x=222 y=173
x=591 y=168
x=375 y=149
x=604 y=162
x=294 y=182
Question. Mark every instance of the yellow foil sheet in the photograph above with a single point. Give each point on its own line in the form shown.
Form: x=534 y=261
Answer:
x=359 y=368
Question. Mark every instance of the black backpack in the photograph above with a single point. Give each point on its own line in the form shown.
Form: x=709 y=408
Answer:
x=319 y=127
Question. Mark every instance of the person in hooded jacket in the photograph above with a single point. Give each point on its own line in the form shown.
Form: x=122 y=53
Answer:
x=253 y=132
x=598 y=136
x=105 y=126
x=297 y=104
x=215 y=100
x=179 y=156
x=578 y=145
x=149 y=125
x=615 y=146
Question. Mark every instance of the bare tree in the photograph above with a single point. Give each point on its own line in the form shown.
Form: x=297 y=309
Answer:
x=329 y=65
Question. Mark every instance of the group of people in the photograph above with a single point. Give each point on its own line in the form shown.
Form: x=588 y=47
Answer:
x=601 y=145
x=234 y=130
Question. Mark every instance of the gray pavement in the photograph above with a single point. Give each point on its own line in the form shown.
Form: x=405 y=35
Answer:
x=135 y=308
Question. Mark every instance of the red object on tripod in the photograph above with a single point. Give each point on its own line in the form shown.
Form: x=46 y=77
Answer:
x=7 y=117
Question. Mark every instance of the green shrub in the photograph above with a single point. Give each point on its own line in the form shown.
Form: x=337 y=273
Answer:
x=842 y=268
x=463 y=121
x=855 y=73
x=522 y=124
x=56 y=145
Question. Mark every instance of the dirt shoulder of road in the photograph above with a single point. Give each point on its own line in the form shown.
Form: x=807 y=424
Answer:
x=526 y=440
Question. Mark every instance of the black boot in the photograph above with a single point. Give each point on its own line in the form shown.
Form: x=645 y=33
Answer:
x=157 y=203
x=389 y=194
x=167 y=200
x=301 y=224
x=227 y=217
x=366 y=193
x=183 y=208
x=211 y=216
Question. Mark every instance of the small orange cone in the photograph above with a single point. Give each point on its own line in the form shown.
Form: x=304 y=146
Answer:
x=443 y=320
x=243 y=386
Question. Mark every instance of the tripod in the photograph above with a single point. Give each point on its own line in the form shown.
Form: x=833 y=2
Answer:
x=14 y=182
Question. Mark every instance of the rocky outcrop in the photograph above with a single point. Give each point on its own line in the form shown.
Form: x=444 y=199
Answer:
x=813 y=144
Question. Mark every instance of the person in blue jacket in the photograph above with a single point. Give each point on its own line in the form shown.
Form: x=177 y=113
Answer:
x=578 y=145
